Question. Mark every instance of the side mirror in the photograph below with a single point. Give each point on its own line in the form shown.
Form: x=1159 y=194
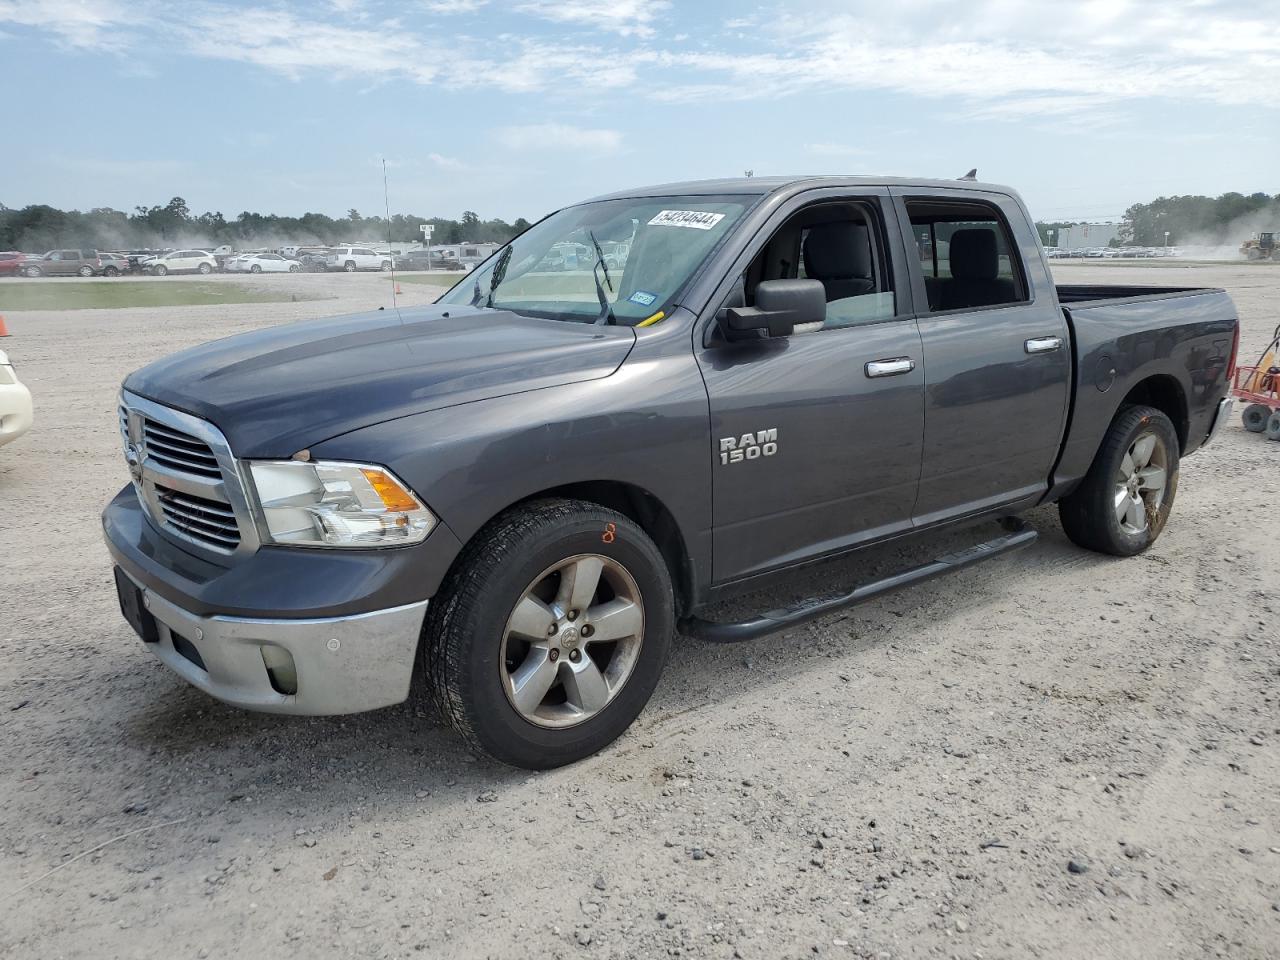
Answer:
x=781 y=306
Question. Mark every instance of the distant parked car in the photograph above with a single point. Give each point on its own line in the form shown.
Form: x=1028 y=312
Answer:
x=113 y=264
x=352 y=259
x=11 y=263
x=315 y=260
x=422 y=260
x=267 y=263
x=15 y=403
x=63 y=263
x=181 y=261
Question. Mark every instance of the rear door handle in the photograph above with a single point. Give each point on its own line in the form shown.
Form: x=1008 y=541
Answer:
x=893 y=367
x=1042 y=344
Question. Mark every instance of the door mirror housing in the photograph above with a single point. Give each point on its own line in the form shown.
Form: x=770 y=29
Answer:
x=781 y=306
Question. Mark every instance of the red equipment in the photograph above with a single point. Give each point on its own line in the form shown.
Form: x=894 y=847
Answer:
x=1259 y=386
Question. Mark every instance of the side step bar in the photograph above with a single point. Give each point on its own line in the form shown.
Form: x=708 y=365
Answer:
x=1018 y=536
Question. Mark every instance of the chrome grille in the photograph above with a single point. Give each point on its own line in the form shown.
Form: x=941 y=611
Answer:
x=187 y=479
x=206 y=521
x=179 y=451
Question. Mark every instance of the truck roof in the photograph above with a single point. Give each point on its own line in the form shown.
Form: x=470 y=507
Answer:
x=760 y=186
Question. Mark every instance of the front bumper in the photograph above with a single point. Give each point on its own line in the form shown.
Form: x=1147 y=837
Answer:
x=316 y=667
x=1220 y=416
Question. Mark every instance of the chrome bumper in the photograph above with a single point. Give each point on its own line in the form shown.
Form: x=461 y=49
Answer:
x=317 y=667
x=1220 y=416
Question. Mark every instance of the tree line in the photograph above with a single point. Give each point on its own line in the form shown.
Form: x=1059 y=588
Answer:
x=39 y=227
x=1225 y=220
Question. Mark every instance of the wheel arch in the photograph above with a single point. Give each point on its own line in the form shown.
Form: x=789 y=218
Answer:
x=637 y=504
x=1164 y=393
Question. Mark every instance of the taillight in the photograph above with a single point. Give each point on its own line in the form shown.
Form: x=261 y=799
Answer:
x=1235 y=353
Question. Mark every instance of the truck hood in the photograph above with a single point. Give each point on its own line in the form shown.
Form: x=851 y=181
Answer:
x=276 y=391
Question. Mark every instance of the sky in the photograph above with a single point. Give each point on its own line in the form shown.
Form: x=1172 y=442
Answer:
x=513 y=108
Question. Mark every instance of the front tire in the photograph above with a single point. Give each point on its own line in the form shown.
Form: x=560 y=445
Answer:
x=111 y=272
x=160 y=271
x=1273 y=426
x=255 y=269
x=1124 y=501
x=349 y=266
x=386 y=265
x=32 y=272
x=549 y=636
x=85 y=272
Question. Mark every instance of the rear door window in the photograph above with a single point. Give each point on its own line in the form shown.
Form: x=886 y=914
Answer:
x=966 y=255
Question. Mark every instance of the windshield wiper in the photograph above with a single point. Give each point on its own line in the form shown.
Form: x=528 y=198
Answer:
x=606 y=311
x=495 y=278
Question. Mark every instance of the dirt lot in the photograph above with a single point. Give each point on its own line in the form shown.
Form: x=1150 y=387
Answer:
x=912 y=778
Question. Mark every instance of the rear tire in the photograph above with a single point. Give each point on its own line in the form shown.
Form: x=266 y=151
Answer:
x=1273 y=426
x=32 y=272
x=386 y=265
x=350 y=266
x=206 y=269
x=477 y=659
x=1124 y=501
x=160 y=271
x=85 y=271
x=255 y=269
x=1255 y=417
x=294 y=268
x=111 y=272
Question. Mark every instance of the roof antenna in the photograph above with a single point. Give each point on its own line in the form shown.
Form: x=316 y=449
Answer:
x=971 y=175
x=386 y=199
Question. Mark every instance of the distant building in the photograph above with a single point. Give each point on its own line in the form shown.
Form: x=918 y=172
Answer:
x=1085 y=235
x=466 y=253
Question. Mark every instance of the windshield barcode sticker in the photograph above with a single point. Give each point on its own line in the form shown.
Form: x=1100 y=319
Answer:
x=697 y=219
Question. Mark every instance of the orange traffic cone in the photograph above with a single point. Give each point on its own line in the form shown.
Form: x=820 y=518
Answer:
x=4 y=331
x=398 y=294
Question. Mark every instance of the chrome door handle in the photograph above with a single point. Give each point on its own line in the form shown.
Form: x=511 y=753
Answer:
x=893 y=367
x=1042 y=344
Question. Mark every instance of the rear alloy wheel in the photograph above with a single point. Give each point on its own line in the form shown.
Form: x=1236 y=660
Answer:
x=206 y=269
x=1123 y=502
x=160 y=271
x=85 y=271
x=255 y=269
x=294 y=268
x=549 y=636
x=111 y=272
x=32 y=272
x=386 y=265
x=1255 y=417
x=350 y=266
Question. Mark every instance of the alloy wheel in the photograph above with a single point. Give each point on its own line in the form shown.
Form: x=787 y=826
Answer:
x=1141 y=483
x=572 y=641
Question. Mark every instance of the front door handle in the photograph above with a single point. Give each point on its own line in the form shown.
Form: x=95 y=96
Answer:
x=893 y=367
x=1042 y=344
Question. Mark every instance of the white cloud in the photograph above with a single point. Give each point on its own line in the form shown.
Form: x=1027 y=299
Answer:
x=624 y=17
x=446 y=163
x=98 y=26
x=451 y=6
x=553 y=137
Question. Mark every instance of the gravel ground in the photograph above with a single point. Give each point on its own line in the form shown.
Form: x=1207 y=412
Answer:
x=1054 y=754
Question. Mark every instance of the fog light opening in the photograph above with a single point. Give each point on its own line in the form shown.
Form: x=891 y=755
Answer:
x=281 y=670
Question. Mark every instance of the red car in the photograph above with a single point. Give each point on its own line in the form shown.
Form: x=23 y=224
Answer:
x=10 y=263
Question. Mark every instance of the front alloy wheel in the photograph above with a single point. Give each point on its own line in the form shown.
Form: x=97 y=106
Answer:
x=549 y=635
x=572 y=641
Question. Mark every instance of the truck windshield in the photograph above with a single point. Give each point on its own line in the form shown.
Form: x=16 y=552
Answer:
x=651 y=247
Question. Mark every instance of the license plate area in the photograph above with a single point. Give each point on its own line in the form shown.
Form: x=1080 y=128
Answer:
x=139 y=617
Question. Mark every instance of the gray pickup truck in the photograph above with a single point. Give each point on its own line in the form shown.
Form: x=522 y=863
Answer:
x=510 y=501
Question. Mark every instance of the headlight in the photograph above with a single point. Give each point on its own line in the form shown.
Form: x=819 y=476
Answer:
x=328 y=504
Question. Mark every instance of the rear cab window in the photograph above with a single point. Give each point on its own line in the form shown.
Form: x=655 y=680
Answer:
x=966 y=255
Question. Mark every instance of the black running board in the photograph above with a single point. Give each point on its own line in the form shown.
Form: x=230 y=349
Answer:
x=1019 y=536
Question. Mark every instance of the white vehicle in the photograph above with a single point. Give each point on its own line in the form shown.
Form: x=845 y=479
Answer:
x=266 y=263
x=181 y=261
x=15 y=403
x=352 y=259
